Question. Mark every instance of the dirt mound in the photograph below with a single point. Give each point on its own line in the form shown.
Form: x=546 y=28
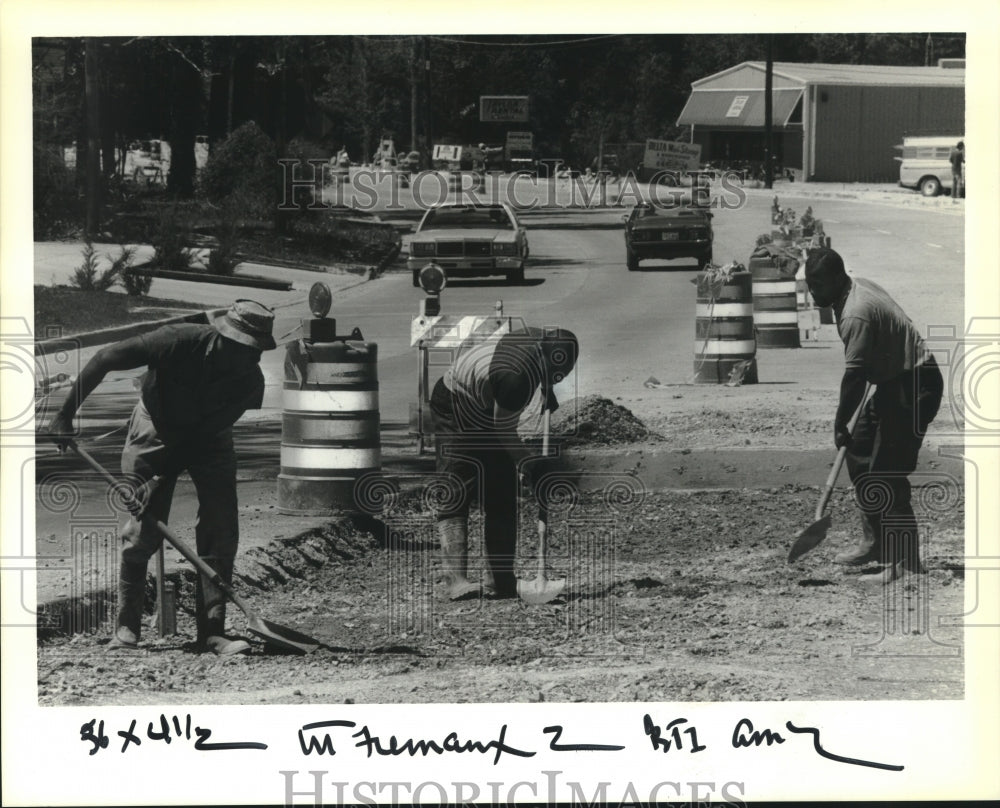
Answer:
x=599 y=421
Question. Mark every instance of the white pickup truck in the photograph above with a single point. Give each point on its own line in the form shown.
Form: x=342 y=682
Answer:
x=924 y=163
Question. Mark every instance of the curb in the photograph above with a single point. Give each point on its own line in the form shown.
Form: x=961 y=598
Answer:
x=102 y=336
x=88 y=339
x=225 y=280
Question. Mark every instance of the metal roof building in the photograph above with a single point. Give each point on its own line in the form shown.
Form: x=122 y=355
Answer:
x=829 y=122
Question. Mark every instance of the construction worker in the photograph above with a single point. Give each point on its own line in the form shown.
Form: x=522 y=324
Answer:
x=201 y=378
x=882 y=348
x=477 y=406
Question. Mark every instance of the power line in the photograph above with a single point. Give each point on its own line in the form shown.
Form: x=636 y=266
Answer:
x=532 y=44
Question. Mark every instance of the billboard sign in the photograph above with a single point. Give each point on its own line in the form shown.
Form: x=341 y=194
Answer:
x=669 y=155
x=503 y=108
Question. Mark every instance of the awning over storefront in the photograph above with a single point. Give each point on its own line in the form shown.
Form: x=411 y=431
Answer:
x=738 y=108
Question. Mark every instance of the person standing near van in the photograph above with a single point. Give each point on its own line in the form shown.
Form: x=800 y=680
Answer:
x=957 y=160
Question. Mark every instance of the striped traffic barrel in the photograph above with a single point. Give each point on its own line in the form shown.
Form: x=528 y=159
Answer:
x=330 y=425
x=724 y=335
x=775 y=310
x=802 y=298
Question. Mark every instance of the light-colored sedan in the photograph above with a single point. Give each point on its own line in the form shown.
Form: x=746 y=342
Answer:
x=470 y=240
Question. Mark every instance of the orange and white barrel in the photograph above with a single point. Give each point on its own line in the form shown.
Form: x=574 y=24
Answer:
x=775 y=306
x=724 y=329
x=330 y=425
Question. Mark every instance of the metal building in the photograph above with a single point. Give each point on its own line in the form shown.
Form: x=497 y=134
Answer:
x=837 y=123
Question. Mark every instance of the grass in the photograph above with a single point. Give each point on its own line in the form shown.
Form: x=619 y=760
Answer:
x=76 y=311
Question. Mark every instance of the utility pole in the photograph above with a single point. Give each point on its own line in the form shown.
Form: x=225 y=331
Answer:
x=414 y=99
x=428 y=114
x=769 y=113
x=93 y=175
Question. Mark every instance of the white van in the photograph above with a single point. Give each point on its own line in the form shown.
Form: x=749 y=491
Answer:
x=924 y=163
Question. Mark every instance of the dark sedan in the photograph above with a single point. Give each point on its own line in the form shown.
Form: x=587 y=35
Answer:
x=668 y=232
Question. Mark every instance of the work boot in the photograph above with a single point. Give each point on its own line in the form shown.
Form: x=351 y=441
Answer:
x=212 y=634
x=131 y=595
x=903 y=547
x=891 y=573
x=220 y=645
x=492 y=592
x=453 y=536
x=210 y=612
x=869 y=551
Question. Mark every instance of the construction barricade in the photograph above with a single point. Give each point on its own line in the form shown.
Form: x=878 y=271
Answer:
x=330 y=420
x=725 y=347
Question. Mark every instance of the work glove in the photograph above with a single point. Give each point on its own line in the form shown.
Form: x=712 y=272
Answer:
x=139 y=501
x=60 y=431
x=841 y=436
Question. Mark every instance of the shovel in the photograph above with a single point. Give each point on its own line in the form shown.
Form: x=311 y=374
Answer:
x=810 y=537
x=277 y=635
x=539 y=590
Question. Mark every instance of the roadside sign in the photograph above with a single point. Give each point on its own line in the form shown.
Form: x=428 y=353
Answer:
x=445 y=152
x=503 y=108
x=520 y=141
x=670 y=155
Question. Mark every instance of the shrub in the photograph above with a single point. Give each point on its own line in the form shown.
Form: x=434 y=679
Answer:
x=136 y=285
x=223 y=259
x=169 y=245
x=89 y=277
x=242 y=169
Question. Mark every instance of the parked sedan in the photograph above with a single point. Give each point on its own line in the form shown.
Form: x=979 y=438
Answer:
x=470 y=240
x=668 y=232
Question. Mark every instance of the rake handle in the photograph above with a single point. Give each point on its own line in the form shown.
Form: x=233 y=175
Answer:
x=168 y=534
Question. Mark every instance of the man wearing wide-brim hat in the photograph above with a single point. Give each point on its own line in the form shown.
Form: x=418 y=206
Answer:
x=201 y=378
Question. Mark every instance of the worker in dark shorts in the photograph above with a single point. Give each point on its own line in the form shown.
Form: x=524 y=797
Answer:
x=477 y=406
x=201 y=378
x=882 y=348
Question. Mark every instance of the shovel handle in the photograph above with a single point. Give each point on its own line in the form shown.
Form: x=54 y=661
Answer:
x=178 y=545
x=830 y=481
x=831 y=478
x=543 y=511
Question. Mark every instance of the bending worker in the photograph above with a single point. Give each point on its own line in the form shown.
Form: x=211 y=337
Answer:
x=884 y=349
x=477 y=406
x=201 y=378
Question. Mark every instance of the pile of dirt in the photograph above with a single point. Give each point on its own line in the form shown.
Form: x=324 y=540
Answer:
x=595 y=420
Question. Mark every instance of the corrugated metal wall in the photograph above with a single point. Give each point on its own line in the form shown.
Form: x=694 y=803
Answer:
x=856 y=127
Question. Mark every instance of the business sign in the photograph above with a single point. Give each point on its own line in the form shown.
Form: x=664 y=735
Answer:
x=669 y=155
x=520 y=141
x=443 y=152
x=737 y=105
x=503 y=108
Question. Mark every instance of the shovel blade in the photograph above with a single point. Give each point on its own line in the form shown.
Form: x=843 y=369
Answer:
x=540 y=590
x=809 y=538
x=281 y=636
